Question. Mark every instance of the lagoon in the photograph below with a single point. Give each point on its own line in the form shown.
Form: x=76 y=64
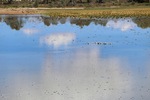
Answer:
x=48 y=58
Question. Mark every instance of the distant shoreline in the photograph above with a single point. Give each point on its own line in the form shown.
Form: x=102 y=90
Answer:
x=79 y=12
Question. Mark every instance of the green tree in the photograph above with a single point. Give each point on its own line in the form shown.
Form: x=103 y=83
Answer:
x=14 y=22
x=99 y=1
x=72 y=2
x=0 y=18
x=80 y=1
x=81 y=22
x=10 y=1
x=62 y=20
x=101 y=22
x=88 y=1
x=36 y=3
x=142 y=22
x=47 y=21
x=45 y=1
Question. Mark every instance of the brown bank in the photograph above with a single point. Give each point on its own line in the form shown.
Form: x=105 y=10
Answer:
x=16 y=11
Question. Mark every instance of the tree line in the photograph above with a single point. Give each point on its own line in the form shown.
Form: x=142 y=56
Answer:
x=69 y=2
x=18 y=22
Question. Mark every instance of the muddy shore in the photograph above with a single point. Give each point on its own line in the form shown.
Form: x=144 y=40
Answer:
x=15 y=11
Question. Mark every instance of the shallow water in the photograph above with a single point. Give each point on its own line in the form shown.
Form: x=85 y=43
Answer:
x=44 y=58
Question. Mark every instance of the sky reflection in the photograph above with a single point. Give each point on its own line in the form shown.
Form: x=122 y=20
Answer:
x=30 y=31
x=122 y=24
x=43 y=58
x=82 y=74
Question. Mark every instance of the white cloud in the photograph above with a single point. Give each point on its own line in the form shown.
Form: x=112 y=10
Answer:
x=122 y=24
x=30 y=31
x=58 y=39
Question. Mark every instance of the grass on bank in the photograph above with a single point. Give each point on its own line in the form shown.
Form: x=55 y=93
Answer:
x=98 y=13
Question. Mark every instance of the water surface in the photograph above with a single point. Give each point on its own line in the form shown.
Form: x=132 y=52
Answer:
x=45 y=58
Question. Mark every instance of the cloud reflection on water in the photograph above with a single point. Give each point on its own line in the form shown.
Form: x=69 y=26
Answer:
x=80 y=75
x=122 y=24
x=30 y=31
x=58 y=39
